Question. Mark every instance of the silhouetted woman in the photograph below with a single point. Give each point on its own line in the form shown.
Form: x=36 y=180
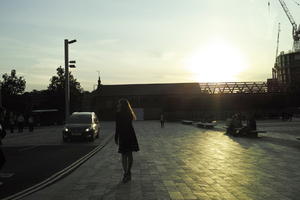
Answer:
x=125 y=136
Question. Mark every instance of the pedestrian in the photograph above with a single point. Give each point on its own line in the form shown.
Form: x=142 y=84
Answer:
x=2 y=123
x=251 y=122
x=20 y=121
x=2 y=135
x=162 y=120
x=30 y=123
x=2 y=157
x=12 y=120
x=125 y=136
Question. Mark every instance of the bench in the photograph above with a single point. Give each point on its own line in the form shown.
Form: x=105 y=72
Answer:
x=187 y=122
x=252 y=133
x=205 y=124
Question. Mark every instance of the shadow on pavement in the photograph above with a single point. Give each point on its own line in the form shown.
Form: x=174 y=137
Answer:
x=247 y=142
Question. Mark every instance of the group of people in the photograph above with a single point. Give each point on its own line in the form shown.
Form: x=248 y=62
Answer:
x=9 y=120
x=2 y=135
x=12 y=120
x=235 y=126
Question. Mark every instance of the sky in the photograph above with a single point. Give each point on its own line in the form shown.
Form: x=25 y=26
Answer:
x=141 y=41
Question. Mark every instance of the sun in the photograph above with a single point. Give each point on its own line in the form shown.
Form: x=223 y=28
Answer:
x=217 y=61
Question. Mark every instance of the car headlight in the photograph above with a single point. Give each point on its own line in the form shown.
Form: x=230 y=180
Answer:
x=66 y=129
x=87 y=129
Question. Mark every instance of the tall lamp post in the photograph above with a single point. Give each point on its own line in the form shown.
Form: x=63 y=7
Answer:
x=67 y=81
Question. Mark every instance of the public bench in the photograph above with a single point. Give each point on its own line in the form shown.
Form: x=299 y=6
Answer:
x=206 y=124
x=187 y=122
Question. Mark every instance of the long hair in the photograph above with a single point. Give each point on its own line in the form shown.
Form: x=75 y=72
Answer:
x=125 y=108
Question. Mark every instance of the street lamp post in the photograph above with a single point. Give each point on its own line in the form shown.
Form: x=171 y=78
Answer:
x=67 y=81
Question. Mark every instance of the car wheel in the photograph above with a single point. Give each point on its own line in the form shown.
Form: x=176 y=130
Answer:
x=91 y=139
x=65 y=139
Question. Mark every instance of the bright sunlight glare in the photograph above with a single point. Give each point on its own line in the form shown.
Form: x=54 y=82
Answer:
x=216 y=61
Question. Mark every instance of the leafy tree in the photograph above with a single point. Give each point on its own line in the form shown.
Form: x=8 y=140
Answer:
x=57 y=83
x=57 y=91
x=12 y=84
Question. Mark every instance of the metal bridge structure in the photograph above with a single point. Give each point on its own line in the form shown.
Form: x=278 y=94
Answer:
x=240 y=88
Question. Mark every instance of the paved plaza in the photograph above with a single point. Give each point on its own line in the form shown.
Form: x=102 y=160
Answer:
x=186 y=162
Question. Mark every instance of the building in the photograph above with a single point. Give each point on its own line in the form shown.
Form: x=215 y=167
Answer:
x=286 y=72
x=195 y=101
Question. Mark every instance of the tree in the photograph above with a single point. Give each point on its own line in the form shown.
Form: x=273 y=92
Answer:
x=57 y=83
x=12 y=84
x=57 y=91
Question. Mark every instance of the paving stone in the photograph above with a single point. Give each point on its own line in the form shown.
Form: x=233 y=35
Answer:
x=185 y=162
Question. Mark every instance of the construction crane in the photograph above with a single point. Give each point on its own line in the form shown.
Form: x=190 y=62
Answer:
x=277 y=43
x=298 y=4
x=296 y=31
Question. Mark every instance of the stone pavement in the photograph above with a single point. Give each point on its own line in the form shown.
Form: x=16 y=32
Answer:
x=185 y=162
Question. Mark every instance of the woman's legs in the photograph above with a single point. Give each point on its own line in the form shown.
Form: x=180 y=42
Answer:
x=127 y=161
x=124 y=162
x=130 y=161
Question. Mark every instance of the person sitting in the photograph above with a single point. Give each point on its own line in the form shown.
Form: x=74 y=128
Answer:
x=247 y=130
x=251 y=123
x=233 y=124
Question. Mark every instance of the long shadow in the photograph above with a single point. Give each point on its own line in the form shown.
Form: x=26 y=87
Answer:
x=248 y=141
x=282 y=142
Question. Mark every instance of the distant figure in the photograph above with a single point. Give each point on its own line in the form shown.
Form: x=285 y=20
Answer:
x=12 y=121
x=2 y=135
x=2 y=115
x=30 y=123
x=234 y=124
x=20 y=121
x=285 y=116
x=237 y=121
x=251 y=123
x=290 y=116
x=2 y=123
x=125 y=136
x=251 y=126
x=162 y=120
x=230 y=128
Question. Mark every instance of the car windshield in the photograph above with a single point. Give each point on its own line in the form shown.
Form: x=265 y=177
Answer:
x=79 y=119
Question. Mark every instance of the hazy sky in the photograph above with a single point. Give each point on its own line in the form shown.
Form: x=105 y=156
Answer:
x=142 y=41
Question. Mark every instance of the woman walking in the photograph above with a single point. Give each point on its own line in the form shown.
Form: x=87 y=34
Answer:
x=125 y=136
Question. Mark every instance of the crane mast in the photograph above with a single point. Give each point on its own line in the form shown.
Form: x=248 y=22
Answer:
x=277 y=42
x=296 y=32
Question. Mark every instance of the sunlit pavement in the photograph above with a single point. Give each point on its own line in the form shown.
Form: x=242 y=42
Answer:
x=186 y=162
